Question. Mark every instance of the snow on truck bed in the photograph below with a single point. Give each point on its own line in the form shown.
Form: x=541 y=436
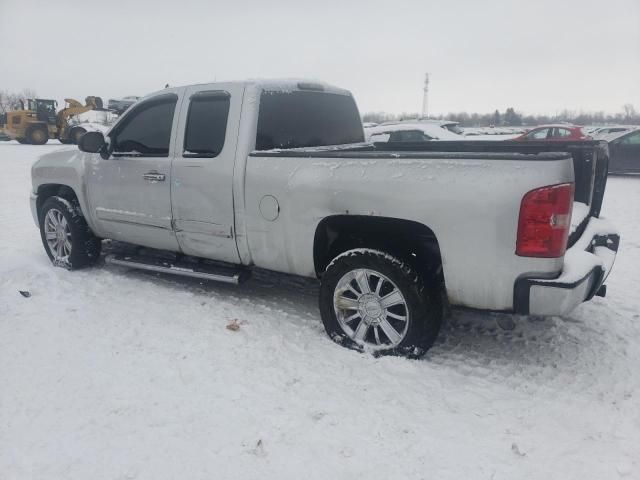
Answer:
x=114 y=374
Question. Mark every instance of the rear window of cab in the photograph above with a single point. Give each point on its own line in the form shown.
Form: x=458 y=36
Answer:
x=307 y=119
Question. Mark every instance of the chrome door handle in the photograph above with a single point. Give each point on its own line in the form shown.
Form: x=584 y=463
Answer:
x=154 y=176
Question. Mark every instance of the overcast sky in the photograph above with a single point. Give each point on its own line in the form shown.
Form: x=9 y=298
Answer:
x=539 y=56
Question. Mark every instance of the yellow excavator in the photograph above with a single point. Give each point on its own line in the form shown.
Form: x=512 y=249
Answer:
x=39 y=122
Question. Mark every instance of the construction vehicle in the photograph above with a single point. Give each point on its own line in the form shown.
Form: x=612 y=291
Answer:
x=39 y=122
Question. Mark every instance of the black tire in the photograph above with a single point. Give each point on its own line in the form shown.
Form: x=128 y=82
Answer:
x=64 y=141
x=85 y=246
x=22 y=141
x=37 y=135
x=75 y=135
x=422 y=301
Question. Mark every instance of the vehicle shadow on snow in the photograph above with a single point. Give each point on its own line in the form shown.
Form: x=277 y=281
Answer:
x=477 y=343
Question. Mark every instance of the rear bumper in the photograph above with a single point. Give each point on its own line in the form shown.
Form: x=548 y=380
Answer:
x=586 y=267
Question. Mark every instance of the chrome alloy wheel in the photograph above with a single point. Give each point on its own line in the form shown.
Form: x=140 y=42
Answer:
x=58 y=235
x=371 y=309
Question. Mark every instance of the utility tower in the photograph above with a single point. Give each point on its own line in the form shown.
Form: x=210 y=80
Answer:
x=425 y=97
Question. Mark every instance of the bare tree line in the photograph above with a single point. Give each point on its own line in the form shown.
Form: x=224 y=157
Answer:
x=510 y=117
x=12 y=100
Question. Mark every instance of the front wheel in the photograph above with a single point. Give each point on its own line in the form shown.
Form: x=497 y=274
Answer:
x=66 y=236
x=373 y=301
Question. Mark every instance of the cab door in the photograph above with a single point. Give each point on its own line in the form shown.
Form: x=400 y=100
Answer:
x=129 y=188
x=202 y=171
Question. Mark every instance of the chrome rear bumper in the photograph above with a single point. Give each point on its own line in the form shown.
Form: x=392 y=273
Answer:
x=586 y=267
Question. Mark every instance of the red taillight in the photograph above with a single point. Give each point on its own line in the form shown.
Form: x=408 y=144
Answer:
x=545 y=219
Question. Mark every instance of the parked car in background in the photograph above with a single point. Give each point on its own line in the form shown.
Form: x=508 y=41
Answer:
x=450 y=125
x=601 y=131
x=492 y=130
x=559 y=132
x=119 y=105
x=409 y=132
x=624 y=151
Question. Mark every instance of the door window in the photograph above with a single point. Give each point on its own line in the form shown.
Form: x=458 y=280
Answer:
x=538 y=134
x=409 y=136
x=633 y=139
x=206 y=124
x=561 y=133
x=146 y=130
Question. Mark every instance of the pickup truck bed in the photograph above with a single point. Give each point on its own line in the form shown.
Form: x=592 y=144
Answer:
x=497 y=170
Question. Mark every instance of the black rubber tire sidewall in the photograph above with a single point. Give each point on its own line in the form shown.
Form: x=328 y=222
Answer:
x=76 y=134
x=32 y=141
x=424 y=302
x=85 y=246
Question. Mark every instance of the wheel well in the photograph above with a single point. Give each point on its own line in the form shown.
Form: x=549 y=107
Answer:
x=411 y=241
x=55 y=190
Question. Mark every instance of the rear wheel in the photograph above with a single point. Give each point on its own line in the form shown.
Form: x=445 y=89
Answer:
x=23 y=141
x=370 y=300
x=37 y=135
x=66 y=236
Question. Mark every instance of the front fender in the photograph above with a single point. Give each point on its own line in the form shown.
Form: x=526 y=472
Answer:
x=62 y=168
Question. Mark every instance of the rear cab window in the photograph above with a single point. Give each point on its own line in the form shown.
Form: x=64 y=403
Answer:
x=301 y=118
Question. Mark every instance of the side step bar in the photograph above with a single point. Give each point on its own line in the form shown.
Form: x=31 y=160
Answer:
x=204 y=271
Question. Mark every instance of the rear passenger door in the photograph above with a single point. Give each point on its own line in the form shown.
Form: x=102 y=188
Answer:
x=202 y=171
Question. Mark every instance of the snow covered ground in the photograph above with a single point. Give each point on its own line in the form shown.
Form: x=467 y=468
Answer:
x=113 y=374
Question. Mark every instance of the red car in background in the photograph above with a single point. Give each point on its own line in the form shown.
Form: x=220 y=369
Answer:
x=560 y=132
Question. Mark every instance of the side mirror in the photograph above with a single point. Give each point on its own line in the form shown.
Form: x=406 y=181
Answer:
x=92 y=142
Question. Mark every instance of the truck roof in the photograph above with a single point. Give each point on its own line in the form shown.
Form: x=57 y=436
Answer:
x=274 y=84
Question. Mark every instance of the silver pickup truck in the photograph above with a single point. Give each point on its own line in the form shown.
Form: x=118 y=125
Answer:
x=212 y=180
